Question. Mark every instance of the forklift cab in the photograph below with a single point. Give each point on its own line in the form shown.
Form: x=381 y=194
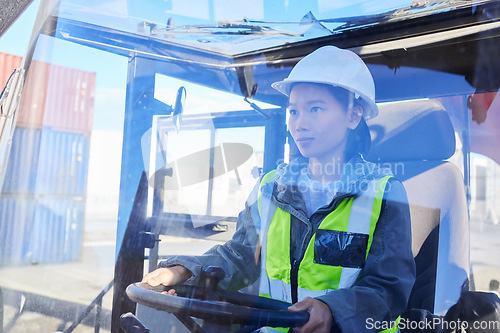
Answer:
x=140 y=129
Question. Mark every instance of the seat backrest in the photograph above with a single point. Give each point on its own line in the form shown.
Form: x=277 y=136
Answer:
x=415 y=139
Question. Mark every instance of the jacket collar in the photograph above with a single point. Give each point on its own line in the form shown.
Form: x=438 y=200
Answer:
x=355 y=175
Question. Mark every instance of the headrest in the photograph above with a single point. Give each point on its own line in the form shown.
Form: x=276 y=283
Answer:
x=411 y=131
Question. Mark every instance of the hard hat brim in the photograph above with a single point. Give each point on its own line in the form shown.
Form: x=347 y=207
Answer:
x=370 y=109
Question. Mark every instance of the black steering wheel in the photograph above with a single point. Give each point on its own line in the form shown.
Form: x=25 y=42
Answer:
x=216 y=306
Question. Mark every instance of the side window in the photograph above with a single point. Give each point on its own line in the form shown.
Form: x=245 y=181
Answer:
x=484 y=222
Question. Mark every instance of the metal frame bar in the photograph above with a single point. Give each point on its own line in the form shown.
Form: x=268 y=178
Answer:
x=97 y=303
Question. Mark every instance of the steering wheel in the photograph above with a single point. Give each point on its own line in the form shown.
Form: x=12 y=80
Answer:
x=217 y=306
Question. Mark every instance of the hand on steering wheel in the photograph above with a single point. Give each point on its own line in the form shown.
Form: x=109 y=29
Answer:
x=170 y=276
x=210 y=304
x=320 y=320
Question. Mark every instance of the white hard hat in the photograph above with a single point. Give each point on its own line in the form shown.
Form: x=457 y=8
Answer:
x=336 y=67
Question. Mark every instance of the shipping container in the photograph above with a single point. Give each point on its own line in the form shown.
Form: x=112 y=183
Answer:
x=32 y=104
x=57 y=231
x=63 y=163
x=70 y=100
x=20 y=175
x=47 y=162
x=46 y=229
x=8 y=62
x=57 y=97
x=16 y=217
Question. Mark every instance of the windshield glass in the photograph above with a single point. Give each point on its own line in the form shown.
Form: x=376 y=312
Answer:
x=244 y=27
x=151 y=135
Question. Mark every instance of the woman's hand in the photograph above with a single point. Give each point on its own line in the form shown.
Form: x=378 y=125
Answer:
x=320 y=316
x=167 y=276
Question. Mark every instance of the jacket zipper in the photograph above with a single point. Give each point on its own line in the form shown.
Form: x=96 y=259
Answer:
x=294 y=275
x=294 y=272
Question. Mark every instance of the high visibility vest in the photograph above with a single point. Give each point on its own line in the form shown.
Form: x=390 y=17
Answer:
x=336 y=252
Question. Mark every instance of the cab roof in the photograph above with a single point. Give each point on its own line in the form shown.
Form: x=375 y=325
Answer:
x=447 y=38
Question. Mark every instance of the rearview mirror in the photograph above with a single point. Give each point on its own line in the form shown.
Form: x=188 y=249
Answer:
x=179 y=107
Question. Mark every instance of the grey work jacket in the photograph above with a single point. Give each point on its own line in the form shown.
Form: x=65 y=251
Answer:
x=383 y=287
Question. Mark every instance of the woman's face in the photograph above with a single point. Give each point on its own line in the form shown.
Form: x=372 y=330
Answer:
x=319 y=124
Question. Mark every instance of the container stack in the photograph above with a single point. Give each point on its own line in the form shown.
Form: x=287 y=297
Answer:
x=8 y=65
x=42 y=202
x=8 y=62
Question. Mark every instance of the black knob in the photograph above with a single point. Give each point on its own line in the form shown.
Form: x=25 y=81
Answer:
x=130 y=324
x=210 y=278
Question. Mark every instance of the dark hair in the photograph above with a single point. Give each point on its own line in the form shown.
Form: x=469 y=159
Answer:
x=359 y=139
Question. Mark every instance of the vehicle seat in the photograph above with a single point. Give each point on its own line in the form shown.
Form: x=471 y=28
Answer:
x=415 y=139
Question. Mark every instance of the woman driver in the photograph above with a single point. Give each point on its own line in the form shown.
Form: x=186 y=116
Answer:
x=329 y=232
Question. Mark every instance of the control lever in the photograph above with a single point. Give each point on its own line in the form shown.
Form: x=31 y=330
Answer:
x=130 y=324
x=210 y=278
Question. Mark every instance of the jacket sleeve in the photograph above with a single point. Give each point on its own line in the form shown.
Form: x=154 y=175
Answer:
x=237 y=257
x=381 y=293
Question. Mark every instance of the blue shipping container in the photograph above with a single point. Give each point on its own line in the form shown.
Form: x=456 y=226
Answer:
x=40 y=230
x=47 y=162
x=21 y=172
x=16 y=218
